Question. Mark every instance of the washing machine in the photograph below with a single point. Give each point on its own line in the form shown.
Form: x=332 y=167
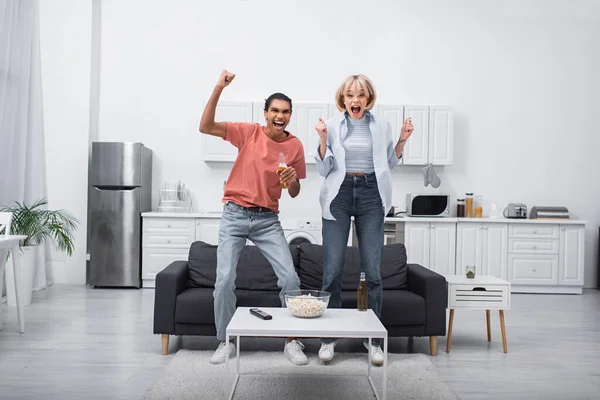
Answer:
x=306 y=230
x=299 y=231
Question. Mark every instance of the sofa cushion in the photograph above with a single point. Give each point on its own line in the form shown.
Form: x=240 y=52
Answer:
x=254 y=272
x=400 y=307
x=196 y=305
x=393 y=267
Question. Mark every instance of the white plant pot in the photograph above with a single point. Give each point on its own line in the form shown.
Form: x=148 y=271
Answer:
x=26 y=282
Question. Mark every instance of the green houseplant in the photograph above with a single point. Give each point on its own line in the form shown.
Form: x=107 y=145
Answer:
x=38 y=224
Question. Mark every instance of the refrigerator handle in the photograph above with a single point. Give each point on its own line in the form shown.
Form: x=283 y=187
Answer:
x=115 y=187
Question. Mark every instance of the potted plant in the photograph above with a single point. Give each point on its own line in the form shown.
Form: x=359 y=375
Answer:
x=38 y=224
x=470 y=271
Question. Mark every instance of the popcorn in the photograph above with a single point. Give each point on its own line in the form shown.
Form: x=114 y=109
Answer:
x=306 y=306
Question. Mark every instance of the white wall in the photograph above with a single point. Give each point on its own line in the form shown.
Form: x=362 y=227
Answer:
x=522 y=76
x=65 y=45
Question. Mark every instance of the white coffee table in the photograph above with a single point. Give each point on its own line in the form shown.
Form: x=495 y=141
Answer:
x=335 y=322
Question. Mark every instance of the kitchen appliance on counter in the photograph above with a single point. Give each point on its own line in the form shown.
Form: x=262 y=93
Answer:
x=120 y=190
x=427 y=205
x=515 y=210
x=538 y=212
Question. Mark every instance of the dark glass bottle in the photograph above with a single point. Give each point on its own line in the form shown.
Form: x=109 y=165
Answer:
x=361 y=294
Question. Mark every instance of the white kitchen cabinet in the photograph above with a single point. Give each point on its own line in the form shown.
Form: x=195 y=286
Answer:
x=571 y=255
x=167 y=238
x=395 y=116
x=207 y=230
x=416 y=148
x=308 y=115
x=215 y=149
x=483 y=245
x=546 y=258
x=164 y=240
x=432 y=245
x=155 y=260
x=432 y=141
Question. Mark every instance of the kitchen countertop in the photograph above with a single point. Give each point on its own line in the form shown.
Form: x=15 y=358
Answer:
x=487 y=220
x=212 y=214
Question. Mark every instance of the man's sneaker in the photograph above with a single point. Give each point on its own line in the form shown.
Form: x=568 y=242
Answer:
x=218 y=356
x=293 y=352
x=376 y=354
x=326 y=352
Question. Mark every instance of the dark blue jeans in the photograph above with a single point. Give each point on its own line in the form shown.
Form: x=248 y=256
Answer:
x=358 y=197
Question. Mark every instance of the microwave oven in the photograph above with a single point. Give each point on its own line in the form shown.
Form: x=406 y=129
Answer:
x=427 y=205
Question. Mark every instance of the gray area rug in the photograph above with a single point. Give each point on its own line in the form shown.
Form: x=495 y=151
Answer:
x=189 y=375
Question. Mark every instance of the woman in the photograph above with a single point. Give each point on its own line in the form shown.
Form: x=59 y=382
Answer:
x=356 y=156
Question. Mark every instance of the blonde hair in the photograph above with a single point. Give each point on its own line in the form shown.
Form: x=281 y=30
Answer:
x=363 y=82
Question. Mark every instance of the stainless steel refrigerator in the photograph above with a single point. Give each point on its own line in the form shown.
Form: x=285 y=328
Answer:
x=120 y=190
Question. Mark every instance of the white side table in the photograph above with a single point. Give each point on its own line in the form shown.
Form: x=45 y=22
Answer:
x=479 y=293
x=12 y=242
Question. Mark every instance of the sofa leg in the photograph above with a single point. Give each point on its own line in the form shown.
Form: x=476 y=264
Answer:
x=165 y=344
x=433 y=345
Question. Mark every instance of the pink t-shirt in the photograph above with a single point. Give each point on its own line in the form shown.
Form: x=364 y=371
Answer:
x=253 y=180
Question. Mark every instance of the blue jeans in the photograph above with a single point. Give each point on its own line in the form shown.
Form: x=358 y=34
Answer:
x=358 y=197
x=263 y=228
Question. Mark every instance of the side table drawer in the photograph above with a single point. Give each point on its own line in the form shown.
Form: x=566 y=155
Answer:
x=478 y=296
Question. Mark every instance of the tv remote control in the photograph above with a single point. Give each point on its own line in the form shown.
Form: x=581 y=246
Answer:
x=260 y=313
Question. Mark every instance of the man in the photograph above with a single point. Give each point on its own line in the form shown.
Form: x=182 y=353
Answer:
x=251 y=202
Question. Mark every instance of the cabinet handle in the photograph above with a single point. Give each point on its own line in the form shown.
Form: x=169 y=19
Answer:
x=562 y=228
x=533 y=269
x=535 y=231
x=534 y=246
x=168 y=241
x=168 y=225
x=433 y=227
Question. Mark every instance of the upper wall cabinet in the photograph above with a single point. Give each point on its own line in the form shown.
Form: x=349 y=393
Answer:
x=216 y=149
x=430 y=143
x=433 y=138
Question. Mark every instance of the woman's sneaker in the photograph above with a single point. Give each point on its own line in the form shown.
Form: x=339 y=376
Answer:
x=376 y=354
x=218 y=356
x=326 y=351
x=293 y=352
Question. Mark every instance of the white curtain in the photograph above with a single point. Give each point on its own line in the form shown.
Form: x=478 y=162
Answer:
x=22 y=154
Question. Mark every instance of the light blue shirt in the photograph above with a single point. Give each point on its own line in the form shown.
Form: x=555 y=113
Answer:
x=358 y=145
x=333 y=165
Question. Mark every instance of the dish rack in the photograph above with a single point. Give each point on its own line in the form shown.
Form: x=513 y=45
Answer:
x=174 y=197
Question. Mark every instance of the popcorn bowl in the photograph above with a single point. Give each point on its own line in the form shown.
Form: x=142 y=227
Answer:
x=307 y=303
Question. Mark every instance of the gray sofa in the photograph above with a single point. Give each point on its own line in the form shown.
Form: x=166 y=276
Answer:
x=414 y=297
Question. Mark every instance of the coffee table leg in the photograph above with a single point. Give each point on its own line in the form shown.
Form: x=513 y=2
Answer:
x=369 y=360
x=237 y=355
x=385 y=366
x=237 y=376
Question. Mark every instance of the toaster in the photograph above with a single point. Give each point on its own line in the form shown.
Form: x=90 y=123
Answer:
x=427 y=205
x=515 y=210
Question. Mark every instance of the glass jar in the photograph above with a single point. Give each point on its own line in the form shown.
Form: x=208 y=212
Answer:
x=460 y=208
x=469 y=205
x=470 y=271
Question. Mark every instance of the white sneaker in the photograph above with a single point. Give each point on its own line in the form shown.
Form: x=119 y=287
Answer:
x=326 y=352
x=293 y=352
x=376 y=354
x=218 y=356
